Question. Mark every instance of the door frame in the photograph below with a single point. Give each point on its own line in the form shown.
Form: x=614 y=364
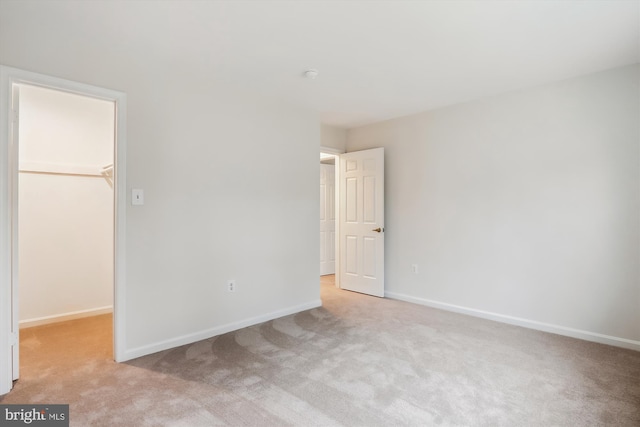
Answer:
x=9 y=208
x=336 y=152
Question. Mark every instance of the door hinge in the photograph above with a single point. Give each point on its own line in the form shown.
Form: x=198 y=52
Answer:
x=15 y=116
x=13 y=339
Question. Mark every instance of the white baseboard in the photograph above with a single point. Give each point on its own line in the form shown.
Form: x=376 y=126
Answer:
x=212 y=332
x=38 y=321
x=526 y=323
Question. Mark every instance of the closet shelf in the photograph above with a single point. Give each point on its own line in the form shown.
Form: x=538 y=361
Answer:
x=61 y=169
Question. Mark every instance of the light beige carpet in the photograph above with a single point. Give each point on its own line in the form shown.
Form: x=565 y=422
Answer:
x=357 y=361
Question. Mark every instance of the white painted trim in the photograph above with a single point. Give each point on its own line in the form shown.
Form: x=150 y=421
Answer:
x=336 y=206
x=525 y=323
x=330 y=150
x=219 y=330
x=5 y=236
x=14 y=135
x=8 y=77
x=120 y=228
x=56 y=318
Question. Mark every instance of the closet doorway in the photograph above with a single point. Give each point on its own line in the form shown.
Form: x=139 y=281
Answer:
x=66 y=146
x=12 y=80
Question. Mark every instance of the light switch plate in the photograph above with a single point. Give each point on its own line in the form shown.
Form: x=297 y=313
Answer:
x=137 y=196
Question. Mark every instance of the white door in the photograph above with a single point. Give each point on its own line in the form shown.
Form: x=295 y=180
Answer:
x=327 y=220
x=362 y=221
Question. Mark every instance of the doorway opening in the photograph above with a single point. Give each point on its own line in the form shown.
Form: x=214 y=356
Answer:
x=327 y=214
x=358 y=215
x=329 y=224
x=18 y=196
x=65 y=222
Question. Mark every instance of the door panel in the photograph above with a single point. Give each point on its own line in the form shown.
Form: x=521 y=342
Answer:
x=351 y=255
x=351 y=200
x=369 y=194
x=369 y=257
x=362 y=221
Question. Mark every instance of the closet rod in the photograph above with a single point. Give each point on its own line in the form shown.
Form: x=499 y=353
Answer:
x=60 y=169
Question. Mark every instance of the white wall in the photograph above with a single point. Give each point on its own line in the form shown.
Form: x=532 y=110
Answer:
x=523 y=205
x=333 y=137
x=66 y=221
x=215 y=208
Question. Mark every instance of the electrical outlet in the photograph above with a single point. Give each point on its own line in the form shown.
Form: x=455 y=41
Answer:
x=414 y=268
x=231 y=285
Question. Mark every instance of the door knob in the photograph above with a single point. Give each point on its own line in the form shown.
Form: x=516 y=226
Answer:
x=378 y=230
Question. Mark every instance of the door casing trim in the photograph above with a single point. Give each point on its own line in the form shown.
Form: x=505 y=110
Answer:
x=10 y=76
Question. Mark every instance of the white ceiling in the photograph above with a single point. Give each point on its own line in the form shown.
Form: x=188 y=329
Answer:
x=377 y=59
